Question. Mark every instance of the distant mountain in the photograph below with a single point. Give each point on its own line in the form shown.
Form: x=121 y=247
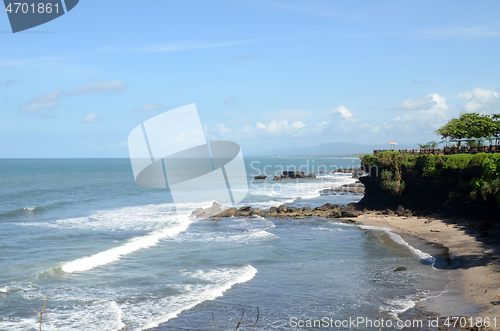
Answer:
x=333 y=149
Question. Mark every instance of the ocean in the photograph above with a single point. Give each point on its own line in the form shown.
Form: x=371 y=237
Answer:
x=112 y=254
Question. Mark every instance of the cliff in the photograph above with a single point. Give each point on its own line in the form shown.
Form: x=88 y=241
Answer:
x=431 y=184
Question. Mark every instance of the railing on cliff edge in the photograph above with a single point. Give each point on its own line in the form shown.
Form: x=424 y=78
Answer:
x=445 y=150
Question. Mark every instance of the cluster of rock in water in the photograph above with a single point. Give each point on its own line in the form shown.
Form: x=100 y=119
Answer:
x=283 y=211
x=289 y=174
x=327 y=210
x=353 y=188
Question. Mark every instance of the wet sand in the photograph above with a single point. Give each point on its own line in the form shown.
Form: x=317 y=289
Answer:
x=474 y=290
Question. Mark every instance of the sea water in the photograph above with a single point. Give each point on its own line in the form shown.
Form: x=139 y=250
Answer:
x=110 y=254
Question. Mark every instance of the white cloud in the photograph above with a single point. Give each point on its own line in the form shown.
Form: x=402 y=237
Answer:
x=480 y=100
x=276 y=127
x=298 y=124
x=113 y=86
x=417 y=103
x=91 y=118
x=43 y=102
x=273 y=129
x=152 y=106
x=344 y=113
x=222 y=130
x=322 y=123
x=432 y=114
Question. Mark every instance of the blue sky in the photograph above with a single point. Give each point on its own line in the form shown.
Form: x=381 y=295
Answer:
x=268 y=75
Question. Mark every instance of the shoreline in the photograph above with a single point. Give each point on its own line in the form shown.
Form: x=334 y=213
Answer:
x=475 y=273
x=471 y=256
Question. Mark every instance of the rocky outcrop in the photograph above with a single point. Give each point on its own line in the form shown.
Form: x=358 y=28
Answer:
x=427 y=195
x=296 y=174
x=283 y=211
x=354 y=188
x=277 y=178
x=207 y=212
x=260 y=177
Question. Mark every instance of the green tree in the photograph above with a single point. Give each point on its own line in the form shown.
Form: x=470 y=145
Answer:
x=470 y=125
x=430 y=145
x=496 y=120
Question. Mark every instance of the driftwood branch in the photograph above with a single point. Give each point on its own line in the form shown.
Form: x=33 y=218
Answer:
x=258 y=315
x=237 y=326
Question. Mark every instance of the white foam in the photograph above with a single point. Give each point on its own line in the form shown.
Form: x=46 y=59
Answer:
x=4 y=289
x=304 y=190
x=137 y=218
x=401 y=305
x=398 y=306
x=98 y=308
x=115 y=253
x=168 y=308
x=397 y=238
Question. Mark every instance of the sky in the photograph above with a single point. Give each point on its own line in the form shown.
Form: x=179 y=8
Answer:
x=269 y=75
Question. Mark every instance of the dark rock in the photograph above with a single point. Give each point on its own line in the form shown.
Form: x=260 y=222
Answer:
x=387 y=212
x=351 y=213
x=244 y=211
x=282 y=209
x=326 y=206
x=227 y=213
x=401 y=269
x=345 y=170
x=259 y=212
x=293 y=174
x=335 y=213
x=306 y=209
x=401 y=211
x=260 y=177
x=277 y=178
x=288 y=174
x=354 y=188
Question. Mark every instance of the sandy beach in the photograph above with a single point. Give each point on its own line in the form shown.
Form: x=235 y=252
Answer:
x=475 y=278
